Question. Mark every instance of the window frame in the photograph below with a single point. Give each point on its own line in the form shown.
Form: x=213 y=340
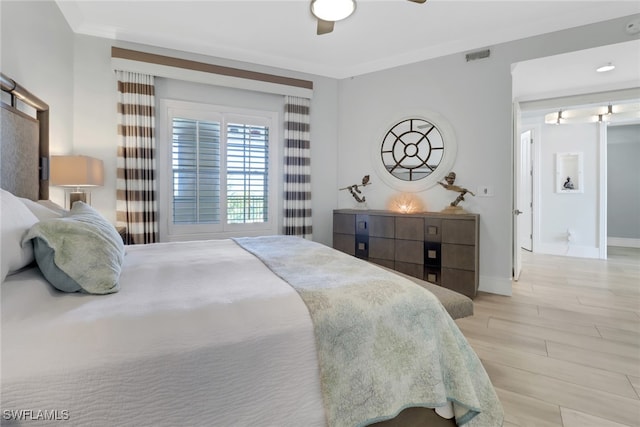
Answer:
x=169 y=109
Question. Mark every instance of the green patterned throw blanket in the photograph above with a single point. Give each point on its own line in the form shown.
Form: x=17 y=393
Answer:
x=384 y=343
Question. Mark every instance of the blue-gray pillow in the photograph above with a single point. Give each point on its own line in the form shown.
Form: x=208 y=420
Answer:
x=81 y=252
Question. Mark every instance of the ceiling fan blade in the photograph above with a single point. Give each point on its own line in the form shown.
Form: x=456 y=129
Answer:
x=419 y=1
x=325 y=27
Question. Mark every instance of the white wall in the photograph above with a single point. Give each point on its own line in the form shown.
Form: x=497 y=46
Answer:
x=37 y=52
x=623 y=189
x=95 y=119
x=560 y=213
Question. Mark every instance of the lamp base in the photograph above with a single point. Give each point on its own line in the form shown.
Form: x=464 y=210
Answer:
x=78 y=196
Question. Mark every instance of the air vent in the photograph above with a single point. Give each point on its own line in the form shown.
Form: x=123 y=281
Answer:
x=633 y=27
x=480 y=54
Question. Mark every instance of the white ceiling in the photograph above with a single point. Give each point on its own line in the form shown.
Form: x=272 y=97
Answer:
x=379 y=35
x=573 y=73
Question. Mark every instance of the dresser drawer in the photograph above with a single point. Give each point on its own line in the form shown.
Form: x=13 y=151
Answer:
x=411 y=251
x=381 y=248
x=344 y=223
x=459 y=256
x=409 y=228
x=345 y=243
x=414 y=270
x=460 y=281
x=459 y=231
x=432 y=230
x=382 y=226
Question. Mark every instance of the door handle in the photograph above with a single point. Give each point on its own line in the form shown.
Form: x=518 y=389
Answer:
x=517 y=212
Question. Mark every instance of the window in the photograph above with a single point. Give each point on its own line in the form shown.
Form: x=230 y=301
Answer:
x=195 y=165
x=221 y=171
x=247 y=173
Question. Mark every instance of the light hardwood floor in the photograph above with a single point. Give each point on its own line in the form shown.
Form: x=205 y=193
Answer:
x=564 y=350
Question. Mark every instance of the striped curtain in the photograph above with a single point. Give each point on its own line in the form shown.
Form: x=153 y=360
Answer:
x=297 y=168
x=136 y=202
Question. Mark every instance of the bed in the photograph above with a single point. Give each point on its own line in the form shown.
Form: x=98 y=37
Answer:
x=270 y=331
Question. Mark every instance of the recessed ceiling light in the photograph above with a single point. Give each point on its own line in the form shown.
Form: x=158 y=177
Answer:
x=606 y=68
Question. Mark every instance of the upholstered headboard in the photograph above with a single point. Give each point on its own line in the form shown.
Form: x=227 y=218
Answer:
x=24 y=144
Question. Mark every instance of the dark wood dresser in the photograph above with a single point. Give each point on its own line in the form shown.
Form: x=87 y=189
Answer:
x=437 y=247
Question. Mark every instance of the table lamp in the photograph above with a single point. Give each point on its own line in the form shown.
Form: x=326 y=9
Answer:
x=78 y=173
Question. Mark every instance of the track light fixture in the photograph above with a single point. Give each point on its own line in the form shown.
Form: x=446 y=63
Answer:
x=608 y=113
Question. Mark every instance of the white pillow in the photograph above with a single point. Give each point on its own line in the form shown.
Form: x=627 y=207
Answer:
x=41 y=211
x=54 y=207
x=15 y=220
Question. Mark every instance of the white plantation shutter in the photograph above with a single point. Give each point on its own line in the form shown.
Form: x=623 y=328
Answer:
x=219 y=164
x=196 y=171
x=247 y=173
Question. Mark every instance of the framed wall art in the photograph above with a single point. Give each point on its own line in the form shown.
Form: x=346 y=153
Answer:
x=569 y=177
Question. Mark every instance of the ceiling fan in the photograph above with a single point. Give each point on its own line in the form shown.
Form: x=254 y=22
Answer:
x=329 y=11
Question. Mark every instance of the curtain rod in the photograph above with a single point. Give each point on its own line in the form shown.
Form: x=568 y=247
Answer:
x=12 y=87
x=152 y=58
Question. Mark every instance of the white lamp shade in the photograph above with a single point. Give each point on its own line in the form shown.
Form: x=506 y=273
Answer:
x=332 y=10
x=76 y=171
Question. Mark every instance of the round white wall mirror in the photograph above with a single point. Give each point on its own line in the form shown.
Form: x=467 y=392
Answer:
x=415 y=152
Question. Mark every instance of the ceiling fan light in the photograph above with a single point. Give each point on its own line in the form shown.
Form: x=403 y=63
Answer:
x=332 y=10
x=606 y=68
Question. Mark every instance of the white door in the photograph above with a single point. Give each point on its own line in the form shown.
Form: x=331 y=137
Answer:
x=516 y=254
x=525 y=205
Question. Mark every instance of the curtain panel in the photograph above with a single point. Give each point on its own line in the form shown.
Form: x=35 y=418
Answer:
x=297 y=168
x=136 y=201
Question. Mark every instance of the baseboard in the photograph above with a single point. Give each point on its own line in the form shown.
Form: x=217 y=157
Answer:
x=568 y=250
x=495 y=285
x=623 y=242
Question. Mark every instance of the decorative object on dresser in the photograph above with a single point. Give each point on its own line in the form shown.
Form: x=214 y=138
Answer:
x=437 y=247
x=453 y=208
x=405 y=203
x=77 y=173
x=355 y=189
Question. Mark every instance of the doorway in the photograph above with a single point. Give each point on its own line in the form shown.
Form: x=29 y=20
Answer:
x=525 y=192
x=552 y=83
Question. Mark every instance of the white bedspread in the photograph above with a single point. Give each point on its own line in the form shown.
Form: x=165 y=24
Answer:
x=201 y=333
